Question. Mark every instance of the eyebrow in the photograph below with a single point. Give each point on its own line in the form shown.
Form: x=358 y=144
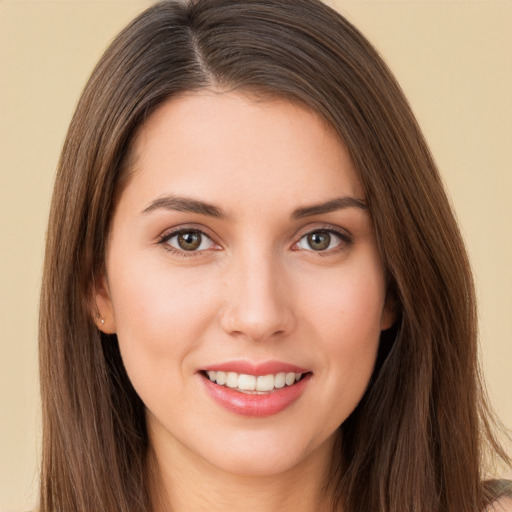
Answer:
x=184 y=204
x=339 y=203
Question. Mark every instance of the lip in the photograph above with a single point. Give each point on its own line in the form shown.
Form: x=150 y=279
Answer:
x=250 y=368
x=252 y=404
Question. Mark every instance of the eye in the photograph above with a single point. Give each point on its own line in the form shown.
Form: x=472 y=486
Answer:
x=321 y=240
x=188 y=240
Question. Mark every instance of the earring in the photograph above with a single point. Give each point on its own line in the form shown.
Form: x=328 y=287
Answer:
x=102 y=321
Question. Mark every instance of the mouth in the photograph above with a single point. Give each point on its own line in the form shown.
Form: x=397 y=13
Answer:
x=254 y=384
x=255 y=390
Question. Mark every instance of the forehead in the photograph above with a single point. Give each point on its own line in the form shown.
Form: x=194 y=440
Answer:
x=224 y=146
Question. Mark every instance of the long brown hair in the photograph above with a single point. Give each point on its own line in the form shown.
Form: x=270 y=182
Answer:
x=416 y=440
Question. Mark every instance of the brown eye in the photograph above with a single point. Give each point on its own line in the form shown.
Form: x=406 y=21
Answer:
x=189 y=240
x=321 y=240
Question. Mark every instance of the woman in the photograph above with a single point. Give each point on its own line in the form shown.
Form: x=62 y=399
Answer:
x=255 y=294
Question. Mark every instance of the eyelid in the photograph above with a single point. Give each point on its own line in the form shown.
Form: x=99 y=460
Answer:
x=345 y=236
x=163 y=238
x=342 y=233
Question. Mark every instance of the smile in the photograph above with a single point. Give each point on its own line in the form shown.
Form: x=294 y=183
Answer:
x=255 y=390
x=254 y=384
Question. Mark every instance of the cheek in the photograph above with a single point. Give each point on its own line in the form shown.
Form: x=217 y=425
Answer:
x=160 y=316
x=349 y=301
x=157 y=310
x=345 y=318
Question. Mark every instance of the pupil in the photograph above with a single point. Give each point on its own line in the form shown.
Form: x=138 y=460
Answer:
x=189 y=240
x=319 y=241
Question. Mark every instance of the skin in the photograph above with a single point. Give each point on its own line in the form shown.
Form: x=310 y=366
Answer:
x=255 y=290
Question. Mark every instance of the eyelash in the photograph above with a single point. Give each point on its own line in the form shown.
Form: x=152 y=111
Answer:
x=164 y=239
x=345 y=240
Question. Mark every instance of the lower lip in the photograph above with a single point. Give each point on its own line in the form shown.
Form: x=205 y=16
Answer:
x=255 y=405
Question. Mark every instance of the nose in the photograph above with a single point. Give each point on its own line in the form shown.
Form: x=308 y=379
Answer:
x=258 y=303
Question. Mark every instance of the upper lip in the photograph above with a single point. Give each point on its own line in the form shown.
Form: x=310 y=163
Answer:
x=253 y=368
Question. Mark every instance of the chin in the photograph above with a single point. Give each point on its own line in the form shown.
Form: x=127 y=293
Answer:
x=267 y=454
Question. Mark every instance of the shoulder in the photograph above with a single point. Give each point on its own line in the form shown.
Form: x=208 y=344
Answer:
x=503 y=504
x=501 y=493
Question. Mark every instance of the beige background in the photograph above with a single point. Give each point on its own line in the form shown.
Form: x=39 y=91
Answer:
x=454 y=61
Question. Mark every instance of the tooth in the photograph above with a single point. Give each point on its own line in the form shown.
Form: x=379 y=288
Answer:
x=280 y=380
x=232 y=380
x=246 y=382
x=290 y=379
x=265 y=383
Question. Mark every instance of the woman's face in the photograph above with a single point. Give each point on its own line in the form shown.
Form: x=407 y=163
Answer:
x=242 y=258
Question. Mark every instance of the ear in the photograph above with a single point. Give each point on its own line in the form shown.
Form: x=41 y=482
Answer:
x=389 y=312
x=103 y=310
x=387 y=320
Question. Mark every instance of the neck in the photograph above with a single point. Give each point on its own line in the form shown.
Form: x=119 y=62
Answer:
x=183 y=482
